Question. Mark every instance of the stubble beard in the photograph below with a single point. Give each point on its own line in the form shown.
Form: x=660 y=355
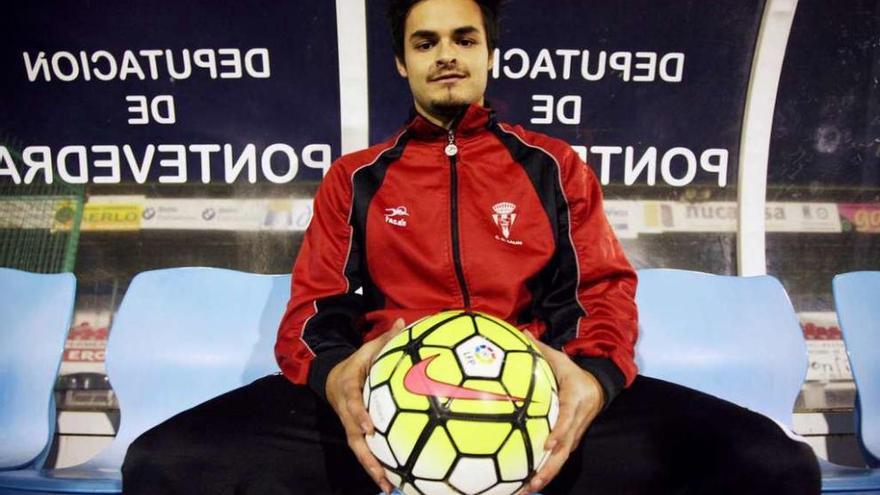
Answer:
x=449 y=106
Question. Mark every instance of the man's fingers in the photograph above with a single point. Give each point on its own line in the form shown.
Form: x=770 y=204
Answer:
x=552 y=355
x=358 y=445
x=359 y=414
x=354 y=406
x=352 y=388
x=540 y=345
x=560 y=444
x=579 y=434
x=554 y=463
x=564 y=423
x=374 y=346
x=349 y=423
x=548 y=471
x=392 y=332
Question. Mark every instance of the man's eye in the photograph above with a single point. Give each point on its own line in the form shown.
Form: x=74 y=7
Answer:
x=425 y=45
x=467 y=42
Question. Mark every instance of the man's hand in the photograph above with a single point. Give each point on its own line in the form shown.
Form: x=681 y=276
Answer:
x=580 y=400
x=345 y=385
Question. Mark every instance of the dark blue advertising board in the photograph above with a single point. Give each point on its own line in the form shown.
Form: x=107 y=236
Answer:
x=168 y=92
x=651 y=93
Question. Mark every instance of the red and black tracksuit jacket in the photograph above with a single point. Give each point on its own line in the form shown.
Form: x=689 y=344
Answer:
x=486 y=216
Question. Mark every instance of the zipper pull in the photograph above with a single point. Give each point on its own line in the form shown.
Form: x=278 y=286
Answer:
x=451 y=148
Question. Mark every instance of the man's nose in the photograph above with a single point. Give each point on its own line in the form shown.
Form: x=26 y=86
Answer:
x=446 y=54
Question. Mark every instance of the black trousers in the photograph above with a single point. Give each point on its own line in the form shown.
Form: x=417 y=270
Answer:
x=272 y=437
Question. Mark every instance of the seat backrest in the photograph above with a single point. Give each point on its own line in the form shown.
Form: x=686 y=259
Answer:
x=857 y=297
x=184 y=335
x=737 y=338
x=35 y=314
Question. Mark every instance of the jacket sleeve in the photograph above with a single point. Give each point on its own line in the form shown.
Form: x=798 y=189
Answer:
x=318 y=329
x=589 y=305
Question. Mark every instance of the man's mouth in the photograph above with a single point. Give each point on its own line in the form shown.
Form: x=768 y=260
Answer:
x=448 y=77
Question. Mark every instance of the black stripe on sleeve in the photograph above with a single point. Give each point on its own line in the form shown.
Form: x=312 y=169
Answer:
x=332 y=332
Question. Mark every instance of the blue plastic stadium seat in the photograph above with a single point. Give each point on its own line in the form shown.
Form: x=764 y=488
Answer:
x=180 y=337
x=722 y=335
x=856 y=296
x=35 y=314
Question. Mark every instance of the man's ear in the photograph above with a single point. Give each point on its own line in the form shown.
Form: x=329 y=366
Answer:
x=401 y=67
x=491 y=60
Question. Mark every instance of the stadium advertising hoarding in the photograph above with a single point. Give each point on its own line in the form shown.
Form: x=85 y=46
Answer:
x=122 y=98
x=130 y=93
x=653 y=100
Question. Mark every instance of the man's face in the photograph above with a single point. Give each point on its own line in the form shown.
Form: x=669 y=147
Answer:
x=446 y=57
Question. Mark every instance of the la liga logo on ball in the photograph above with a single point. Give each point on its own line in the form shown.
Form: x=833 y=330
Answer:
x=484 y=354
x=462 y=403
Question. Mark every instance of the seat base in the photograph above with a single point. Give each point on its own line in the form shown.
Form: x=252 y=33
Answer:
x=54 y=481
x=847 y=479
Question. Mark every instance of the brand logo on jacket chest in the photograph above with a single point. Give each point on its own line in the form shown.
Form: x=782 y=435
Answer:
x=505 y=217
x=396 y=216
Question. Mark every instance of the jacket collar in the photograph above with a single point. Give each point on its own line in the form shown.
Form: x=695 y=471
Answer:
x=474 y=119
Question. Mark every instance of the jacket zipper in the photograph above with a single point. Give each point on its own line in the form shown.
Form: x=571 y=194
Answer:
x=452 y=152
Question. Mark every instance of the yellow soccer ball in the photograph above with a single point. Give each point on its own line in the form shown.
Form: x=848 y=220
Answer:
x=462 y=403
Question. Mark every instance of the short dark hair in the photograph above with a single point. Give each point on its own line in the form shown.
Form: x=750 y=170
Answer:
x=398 y=10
